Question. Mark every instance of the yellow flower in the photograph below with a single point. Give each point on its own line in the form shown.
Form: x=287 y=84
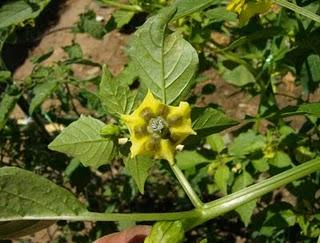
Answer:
x=156 y=129
x=248 y=8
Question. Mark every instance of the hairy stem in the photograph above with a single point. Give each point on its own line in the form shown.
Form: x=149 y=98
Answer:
x=186 y=186
x=205 y=212
x=234 y=200
x=91 y=216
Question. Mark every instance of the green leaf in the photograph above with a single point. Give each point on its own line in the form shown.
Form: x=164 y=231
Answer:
x=206 y=121
x=188 y=159
x=138 y=167
x=220 y=14
x=7 y=104
x=221 y=178
x=82 y=140
x=311 y=69
x=274 y=218
x=128 y=75
x=280 y=160
x=41 y=92
x=122 y=17
x=247 y=143
x=116 y=97
x=245 y=211
x=260 y=165
x=166 y=232
x=16 y=12
x=239 y=76
x=74 y=51
x=186 y=7
x=15 y=229
x=165 y=63
x=38 y=59
x=25 y=195
x=302 y=109
x=216 y=142
x=310 y=109
x=4 y=75
x=89 y=24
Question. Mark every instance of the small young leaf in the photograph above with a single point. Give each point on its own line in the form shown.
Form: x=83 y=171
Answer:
x=220 y=14
x=247 y=143
x=82 y=140
x=280 y=160
x=245 y=211
x=4 y=75
x=260 y=165
x=122 y=17
x=188 y=159
x=25 y=195
x=221 y=178
x=138 y=167
x=41 y=58
x=206 y=121
x=74 y=51
x=239 y=76
x=89 y=24
x=166 y=232
x=116 y=97
x=42 y=92
x=7 y=104
x=166 y=64
x=216 y=142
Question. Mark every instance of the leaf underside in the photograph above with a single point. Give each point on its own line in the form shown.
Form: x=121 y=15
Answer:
x=115 y=96
x=166 y=64
x=138 y=168
x=82 y=140
x=25 y=195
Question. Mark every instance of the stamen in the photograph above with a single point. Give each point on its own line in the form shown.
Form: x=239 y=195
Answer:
x=157 y=124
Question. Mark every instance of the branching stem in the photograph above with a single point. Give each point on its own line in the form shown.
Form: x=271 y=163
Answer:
x=186 y=186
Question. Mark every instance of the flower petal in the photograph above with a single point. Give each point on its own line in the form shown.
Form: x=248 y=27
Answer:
x=166 y=151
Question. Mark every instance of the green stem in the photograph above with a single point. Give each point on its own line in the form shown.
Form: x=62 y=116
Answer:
x=234 y=200
x=134 y=8
x=196 y=216
x=91 y=216
x=298 y=10
x=186 y=186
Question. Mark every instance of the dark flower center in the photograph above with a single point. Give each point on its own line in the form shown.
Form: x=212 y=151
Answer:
x=158 y=126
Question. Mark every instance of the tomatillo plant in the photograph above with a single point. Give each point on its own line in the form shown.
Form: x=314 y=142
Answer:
x=154 y=119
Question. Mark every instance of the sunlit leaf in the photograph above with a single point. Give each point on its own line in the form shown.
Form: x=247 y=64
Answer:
x=82 y=140
x=116 y=96
x=165 y=63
